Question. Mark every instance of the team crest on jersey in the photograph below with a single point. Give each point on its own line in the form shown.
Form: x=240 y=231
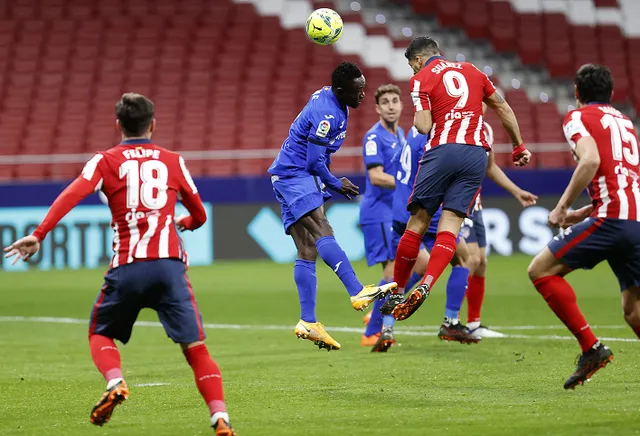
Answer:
x=371 y=148
x=323 y=129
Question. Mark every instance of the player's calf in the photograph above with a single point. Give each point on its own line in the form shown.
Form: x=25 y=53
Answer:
x=631 y=308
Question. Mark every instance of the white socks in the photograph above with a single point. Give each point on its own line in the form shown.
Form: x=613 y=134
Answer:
x=216 y=416
x=113 y=382
x=473 y=325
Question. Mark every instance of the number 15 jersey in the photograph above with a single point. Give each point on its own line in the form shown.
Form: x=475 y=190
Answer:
x=615 y=189
x=142 y=183
x=453 y=92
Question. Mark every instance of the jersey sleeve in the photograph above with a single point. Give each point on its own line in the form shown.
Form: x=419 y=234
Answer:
x=188 y=194
x=93 y=172
x=321 y=125
x=89 y=181
x=420 y=95
x=574 y=128
x=372 y=151
x=487 y=85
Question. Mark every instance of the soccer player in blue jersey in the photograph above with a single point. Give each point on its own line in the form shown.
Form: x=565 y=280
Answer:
x=379 y=145
x=300 y=175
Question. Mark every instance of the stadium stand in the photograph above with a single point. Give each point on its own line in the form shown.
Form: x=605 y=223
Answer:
x=233 y=75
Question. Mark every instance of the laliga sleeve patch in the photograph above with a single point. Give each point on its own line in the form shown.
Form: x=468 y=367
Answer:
x=371 y=148
x=323 y=129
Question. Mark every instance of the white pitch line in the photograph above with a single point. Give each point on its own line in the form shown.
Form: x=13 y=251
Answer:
x=151 y=384
x=406 y=331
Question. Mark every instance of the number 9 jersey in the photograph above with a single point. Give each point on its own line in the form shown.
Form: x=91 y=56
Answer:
x=142 y=183
x=615 y=189
x=453 y=92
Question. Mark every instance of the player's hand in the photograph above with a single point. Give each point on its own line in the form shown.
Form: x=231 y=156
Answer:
x=23 y=249
x=522 y=159
x=178 y=220
x=348 y=189
x=557 y=217
x=526 y=198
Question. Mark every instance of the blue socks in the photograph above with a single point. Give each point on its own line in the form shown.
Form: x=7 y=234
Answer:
x=304 y=274
x=375 y=323
x=456 y=288
x=336 y=259
x=413 y=280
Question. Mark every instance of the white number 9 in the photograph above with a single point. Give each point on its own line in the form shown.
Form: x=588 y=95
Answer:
x=456 y=86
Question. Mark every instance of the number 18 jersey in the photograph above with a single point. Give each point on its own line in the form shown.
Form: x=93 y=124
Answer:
x=615 y=188
x=143 y=182
x=453 y=92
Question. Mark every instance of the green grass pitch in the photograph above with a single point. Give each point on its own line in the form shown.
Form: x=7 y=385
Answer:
x=279 y=385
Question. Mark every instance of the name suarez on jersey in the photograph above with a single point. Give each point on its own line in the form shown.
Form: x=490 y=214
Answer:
x=443 y=65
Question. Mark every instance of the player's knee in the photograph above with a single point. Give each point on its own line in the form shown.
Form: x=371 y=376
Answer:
x=481 y=267
x=535 y=269
x=308 y=252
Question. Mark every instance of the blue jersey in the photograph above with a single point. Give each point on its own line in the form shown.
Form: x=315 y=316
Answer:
x=406 y=165
x=323 y=121
x=379 y=146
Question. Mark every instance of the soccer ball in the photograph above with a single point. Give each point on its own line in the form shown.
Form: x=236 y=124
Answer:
x=324 y=26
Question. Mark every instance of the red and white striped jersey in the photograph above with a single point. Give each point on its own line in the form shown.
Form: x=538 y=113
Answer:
x=453 y=92
x=142 y=183
x=615 y=188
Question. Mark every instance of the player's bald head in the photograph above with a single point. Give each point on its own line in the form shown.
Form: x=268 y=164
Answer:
x=594 y=83
x=422 y=46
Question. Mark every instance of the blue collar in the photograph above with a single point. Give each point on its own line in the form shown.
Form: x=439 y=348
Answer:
x=433 y=58
x=599 y=102
x=136 y=141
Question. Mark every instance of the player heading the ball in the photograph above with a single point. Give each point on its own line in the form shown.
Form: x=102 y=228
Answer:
x=300 y=178
x=447 y=97
x=142 y=183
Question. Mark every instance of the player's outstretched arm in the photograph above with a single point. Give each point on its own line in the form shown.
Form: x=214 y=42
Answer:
x=495 y=101
x=589 y=160
x=495 y=173
x=191 y=200
x=26 y=247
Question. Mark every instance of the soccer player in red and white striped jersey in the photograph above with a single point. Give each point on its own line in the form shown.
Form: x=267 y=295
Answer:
x=605 y=143
x=448 y=98
x=142 y=183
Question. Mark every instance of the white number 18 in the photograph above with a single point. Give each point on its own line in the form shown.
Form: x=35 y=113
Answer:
x=153 y=190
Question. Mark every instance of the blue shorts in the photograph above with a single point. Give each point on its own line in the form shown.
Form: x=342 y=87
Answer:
x=473 y=230
x=449 y=175
x=298 y=195
x=588 y=243
x=377 y=242
x=161 y=285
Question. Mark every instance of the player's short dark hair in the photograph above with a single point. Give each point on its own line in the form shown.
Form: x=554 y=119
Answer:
x=344 y=75
x=385 y=89
x=422 y=45
x=594 y=83
x=135 y=113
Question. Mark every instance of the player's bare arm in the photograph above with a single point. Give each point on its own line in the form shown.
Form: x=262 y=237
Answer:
x=508 y=118
x=423 y=121
x=495 y=173
x=576 y=216
x=589 y=160
x=379 y=178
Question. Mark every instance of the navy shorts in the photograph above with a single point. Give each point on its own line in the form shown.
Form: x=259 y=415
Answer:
x=473 y=230
x=298 y=195
x=449 y=175
x=161 y=285
x=377 y=242
x=588 y=243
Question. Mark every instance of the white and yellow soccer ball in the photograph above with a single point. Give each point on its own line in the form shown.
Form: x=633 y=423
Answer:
x=324 y=26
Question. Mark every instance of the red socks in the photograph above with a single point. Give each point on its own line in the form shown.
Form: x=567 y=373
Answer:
x=106 y=356
x=475 y=296
x=406 y=257
x=562 y=300
x=208 y=378
x=443 y=250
